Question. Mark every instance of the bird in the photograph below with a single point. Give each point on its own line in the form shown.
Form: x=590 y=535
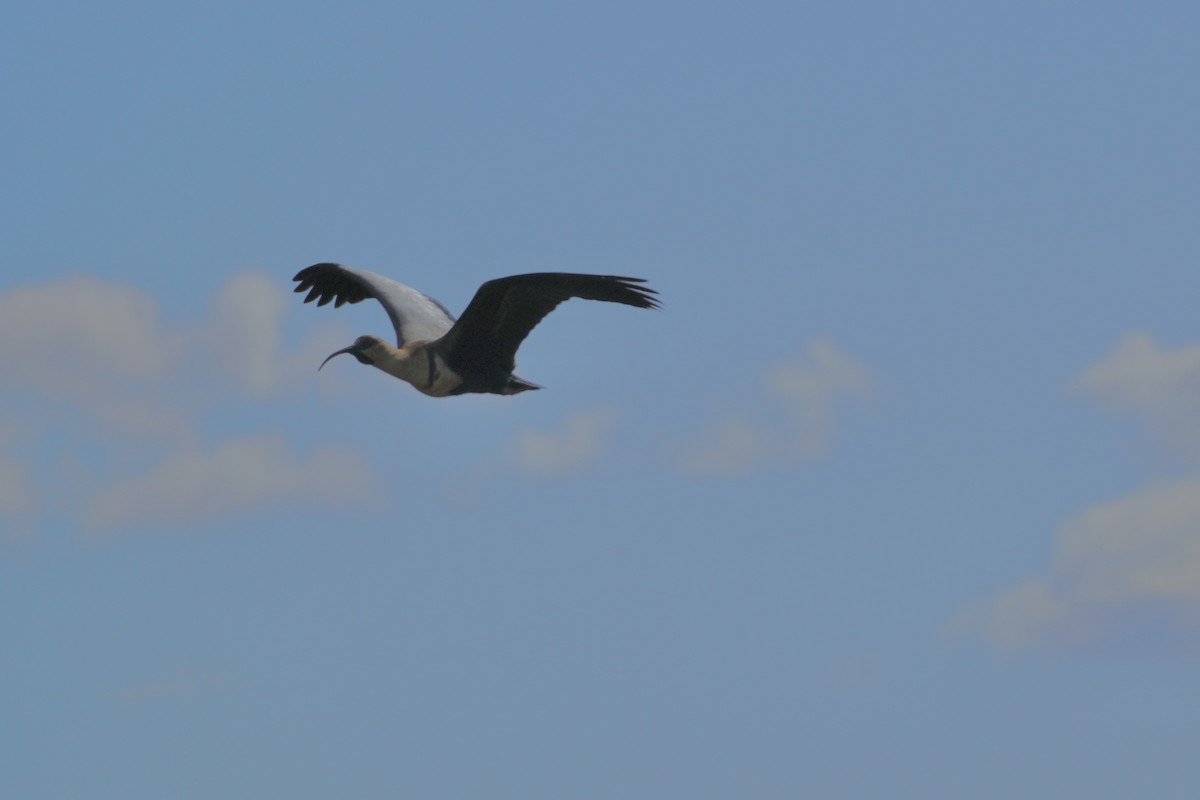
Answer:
x=441 y=356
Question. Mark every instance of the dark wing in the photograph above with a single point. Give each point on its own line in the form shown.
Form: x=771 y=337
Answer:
x=505 y=310
x=415 y=316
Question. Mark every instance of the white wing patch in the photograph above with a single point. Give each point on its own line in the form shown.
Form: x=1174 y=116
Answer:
x=415 y=316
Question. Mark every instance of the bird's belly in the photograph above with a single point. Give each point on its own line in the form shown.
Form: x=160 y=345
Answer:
x=425 y=371
x=440 y=379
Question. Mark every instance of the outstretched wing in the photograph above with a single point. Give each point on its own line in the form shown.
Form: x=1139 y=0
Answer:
x=505 y=310
x=415 y=316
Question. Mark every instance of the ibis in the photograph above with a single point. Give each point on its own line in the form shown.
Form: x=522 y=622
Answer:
x=442 y=356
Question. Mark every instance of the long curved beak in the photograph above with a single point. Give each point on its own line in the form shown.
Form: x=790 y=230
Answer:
x=349 y=349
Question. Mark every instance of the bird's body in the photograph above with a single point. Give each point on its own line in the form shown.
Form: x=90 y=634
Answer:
x=442 y=356
x=417 y=364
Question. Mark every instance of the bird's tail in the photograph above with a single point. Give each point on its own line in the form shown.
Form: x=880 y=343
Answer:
x=517 y=385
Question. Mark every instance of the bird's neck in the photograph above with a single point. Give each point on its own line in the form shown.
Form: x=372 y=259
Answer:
x=405 y=363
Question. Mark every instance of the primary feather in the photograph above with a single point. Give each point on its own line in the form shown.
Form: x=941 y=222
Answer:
x=415 y=316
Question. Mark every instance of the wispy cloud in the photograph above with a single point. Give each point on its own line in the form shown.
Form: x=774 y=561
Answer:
x=1135 y=553
x=1141 y=375
x=797 y=421
x=1141 y=551
x=1161 y=385
x=235 y=476
x=730 y=448
x=248 y=335
x=104 y=347
x=94 y=345
x=96 y=363
x=245 y=337
x=581 y=440
x=64 y=334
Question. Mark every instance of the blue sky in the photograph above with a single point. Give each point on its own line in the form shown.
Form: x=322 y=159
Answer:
x=899 y=494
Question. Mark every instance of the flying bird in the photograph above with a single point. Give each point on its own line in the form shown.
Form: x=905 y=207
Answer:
x=441 y=356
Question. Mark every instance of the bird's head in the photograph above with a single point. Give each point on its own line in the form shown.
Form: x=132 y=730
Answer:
x=365 y=349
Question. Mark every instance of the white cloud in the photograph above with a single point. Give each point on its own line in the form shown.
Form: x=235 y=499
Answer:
x=1162 y=385
x=1143 y=376
x=96 y=363
x=103 y=347
x=236 y=476
x=1139 y=552
x=65 y=334
x=799 y=419
x=811 y=388
x=95 y=345
x=580 y=441
x=733 y=447
x=245 y=338
x=249 y=316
